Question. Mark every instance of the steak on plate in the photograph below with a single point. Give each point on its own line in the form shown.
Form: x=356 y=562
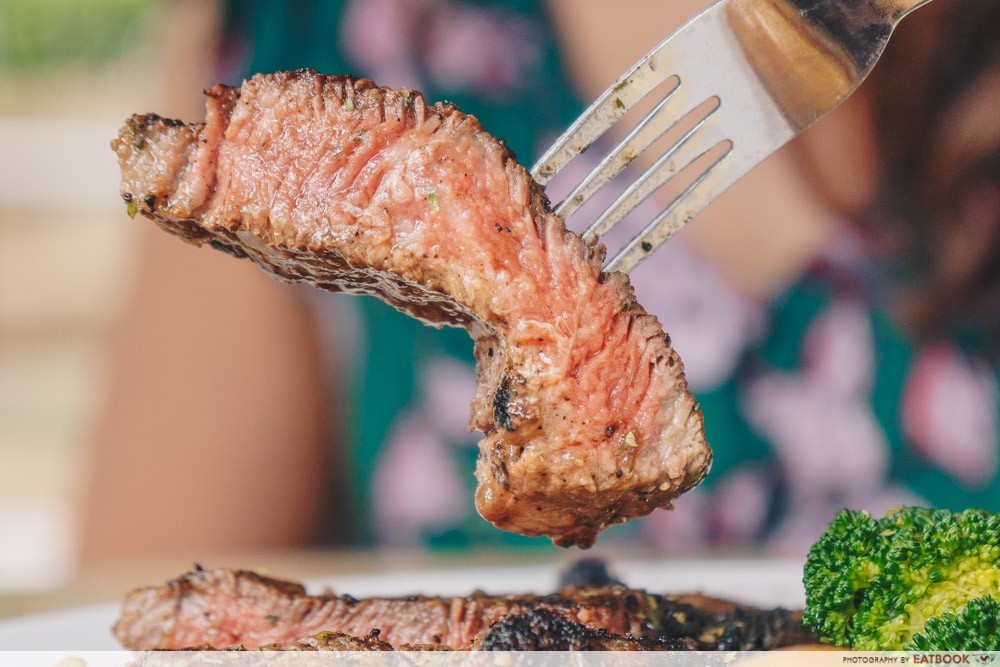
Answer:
x=222 y=608
x=540 y=630
x=331 y=180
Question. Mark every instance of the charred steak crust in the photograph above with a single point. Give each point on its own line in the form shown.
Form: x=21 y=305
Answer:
x=355 y=188
x=222 y=608
x=546 y=630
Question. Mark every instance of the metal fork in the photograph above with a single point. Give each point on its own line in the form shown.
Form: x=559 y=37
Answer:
x=767 y=69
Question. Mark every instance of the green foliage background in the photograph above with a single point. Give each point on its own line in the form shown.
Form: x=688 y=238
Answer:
x=44 y=34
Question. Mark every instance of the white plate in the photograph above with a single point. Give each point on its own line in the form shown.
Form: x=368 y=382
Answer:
x=767 y=583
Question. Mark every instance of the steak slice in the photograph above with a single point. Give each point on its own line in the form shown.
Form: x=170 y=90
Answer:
x=222 y=608
x=354 y=188
x=540 y=630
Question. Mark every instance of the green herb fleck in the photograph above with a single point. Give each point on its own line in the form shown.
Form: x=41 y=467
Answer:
x=620 y=86
x=653 y=617
x=406 y=94
x=433 y=199
x=140 y=143
x=348 y=103
x=630 y=439
x=619 y=103
x=271 y=619
x=132 y=207
x=359 y=135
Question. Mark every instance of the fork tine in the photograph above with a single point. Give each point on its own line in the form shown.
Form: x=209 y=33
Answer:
x=696 y=142
x=657 y=66
x=649 y=72
x=712 y=182
x=654 y=125
x=599 y=116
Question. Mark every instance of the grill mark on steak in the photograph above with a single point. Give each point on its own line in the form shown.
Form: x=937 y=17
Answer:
x=545 y=630
x=501 y=399
x=385 y=195
x=221 y=608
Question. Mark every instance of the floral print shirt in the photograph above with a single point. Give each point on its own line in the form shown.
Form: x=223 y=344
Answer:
x=812 y=403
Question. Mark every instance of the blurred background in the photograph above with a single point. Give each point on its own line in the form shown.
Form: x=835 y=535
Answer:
x=836 y=314
x=70 y=72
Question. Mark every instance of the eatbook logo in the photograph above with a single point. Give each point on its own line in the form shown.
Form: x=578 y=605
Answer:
x=953 y=658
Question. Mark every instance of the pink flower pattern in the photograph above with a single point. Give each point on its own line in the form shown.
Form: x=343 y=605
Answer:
x=418 y=486
x=482 y=50
x=381 y=36
x=949 y=412
x=818 y=418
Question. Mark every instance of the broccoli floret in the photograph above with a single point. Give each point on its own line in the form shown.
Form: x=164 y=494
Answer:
x=873 y=584
x=975 y=628
x=841 y=563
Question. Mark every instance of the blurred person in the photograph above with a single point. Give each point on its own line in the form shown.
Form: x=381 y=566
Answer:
x=837 y=309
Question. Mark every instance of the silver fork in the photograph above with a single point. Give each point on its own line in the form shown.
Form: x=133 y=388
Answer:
x=766 y=68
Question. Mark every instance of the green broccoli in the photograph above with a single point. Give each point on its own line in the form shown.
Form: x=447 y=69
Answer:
x=975 y=628
x=872 y=584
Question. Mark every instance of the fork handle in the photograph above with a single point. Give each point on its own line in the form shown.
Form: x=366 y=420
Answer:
x=859 y=28
x=897 y=9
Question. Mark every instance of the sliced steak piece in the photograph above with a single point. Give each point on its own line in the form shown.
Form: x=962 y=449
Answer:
x=354 y=188
x=221 y=608
x=540 y=630
x=231 y=607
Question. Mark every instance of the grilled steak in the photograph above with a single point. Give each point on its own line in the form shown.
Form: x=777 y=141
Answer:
x=354 y=188
x=221 y=608
x=540 y=630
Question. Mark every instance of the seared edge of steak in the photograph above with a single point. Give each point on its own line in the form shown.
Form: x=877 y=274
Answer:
x=547 y=630
x=539 y=630
x=222 y=608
